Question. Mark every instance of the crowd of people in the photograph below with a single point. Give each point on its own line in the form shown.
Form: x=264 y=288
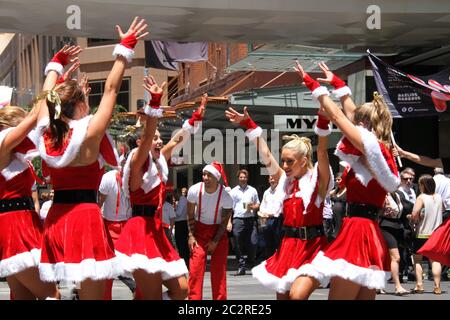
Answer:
x=348 y=230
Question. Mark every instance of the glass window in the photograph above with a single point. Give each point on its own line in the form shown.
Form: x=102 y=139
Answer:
x=97 y=89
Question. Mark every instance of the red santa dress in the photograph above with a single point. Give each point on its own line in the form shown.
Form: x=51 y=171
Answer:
x=359 y=253
x=437 y=247
x=302 y=210
x=20 y=227
x=143 y=243
x=75 y=243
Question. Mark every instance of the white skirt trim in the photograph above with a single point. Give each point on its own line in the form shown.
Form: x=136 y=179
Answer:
x=19 y=262
x=169 y=270
x=78 y=272
x=284 y=284
x=366 y=277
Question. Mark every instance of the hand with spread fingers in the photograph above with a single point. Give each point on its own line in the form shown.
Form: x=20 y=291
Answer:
x=154 y=108
x=136 y=31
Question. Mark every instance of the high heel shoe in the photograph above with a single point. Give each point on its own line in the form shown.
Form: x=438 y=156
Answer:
x=437 y=290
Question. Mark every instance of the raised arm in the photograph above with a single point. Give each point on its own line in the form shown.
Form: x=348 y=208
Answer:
x=254 y=132
x=334 y=113
x=189 y=127
x=123 y=53
x=423 y=160
x=323 y=129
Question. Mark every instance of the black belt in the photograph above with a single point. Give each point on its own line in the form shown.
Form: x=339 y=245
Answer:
x=16 y=204
x=142 y=210
x=304 y=233
x=75 y=196
x=363 y=210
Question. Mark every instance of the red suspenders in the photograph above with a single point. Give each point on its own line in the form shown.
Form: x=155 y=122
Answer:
x=119 y=186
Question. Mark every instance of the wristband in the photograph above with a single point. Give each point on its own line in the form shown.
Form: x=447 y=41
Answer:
x=322 y=127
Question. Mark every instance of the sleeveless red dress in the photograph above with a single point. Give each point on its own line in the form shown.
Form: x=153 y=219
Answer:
x=292 y=259
x=75 y=244
x=143 y=243
x=359 y=253
x=20 y=230
x=437 y=247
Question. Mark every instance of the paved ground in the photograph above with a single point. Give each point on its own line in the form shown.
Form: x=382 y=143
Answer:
x=247 y=288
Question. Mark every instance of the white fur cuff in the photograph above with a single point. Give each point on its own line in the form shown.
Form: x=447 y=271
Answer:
x=320 y=91
x=191 y=129
x=344 y=91
x=55 y=66
x=252 y=134
x=322 y=132
x=151 y=112
x=123 y=51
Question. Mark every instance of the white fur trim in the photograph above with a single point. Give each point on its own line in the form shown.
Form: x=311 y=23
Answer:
x=349 y=158
x=152 y=112
x=14 y=168
x=19 y=262
x=323 y=132
x=79 y=127
x=55 y=66
x=150 y=179
x=191 y=129
x=284 y=284
x=120 y=50
x=367 y=277
x=211 y=169
x=252 y=134
x=78 y=272
x=383 y=174
x=319 y=91
x=169 y=270
x=344 y=91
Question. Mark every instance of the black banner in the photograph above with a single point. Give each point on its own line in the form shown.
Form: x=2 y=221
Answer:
x=411 y=96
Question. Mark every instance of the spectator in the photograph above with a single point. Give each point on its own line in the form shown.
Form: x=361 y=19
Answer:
x=392 y=230
x=427 y=214
x=181 y=227
x=270 y=218
x=338 y=204
x=168 y=217
x=245 y=202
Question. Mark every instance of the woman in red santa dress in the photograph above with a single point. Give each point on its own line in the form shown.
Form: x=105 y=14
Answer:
x=303 y=188
x=358 y=260
x=20 y=227
x=143 y=247
x=74 y=148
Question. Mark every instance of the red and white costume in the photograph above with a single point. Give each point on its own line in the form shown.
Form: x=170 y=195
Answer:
x=143 y=243
x=20 y=230
x=437 y=247
x=208 y=219
x=302 y=207
x=75 y=244
x=359 y=253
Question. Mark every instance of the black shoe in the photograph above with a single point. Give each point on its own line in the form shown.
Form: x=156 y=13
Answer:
x=240 y=272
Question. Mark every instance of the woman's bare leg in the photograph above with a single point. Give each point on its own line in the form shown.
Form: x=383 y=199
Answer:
x=177 y=288
x=303 y=287
x=150 y=284
x=29 y=279
x=92 y=289
x=366 y=294
x=341 y=289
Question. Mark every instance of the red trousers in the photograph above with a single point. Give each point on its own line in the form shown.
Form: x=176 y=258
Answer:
x=197 y=263
x=114 y=229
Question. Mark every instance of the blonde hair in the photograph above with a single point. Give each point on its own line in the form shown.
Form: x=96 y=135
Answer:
x=376 y=117
x=301 y=145
x=11 y=116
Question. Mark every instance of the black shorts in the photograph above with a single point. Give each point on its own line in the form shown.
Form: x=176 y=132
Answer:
x=392 y=236
x=417 y=244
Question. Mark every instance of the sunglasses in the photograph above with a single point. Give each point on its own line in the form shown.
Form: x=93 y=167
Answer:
x=407 y=179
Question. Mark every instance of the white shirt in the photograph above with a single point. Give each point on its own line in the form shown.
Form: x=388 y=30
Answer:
x=181 y=212
x=430 y=216
x=241 y=197
x=209 y=203
x=168 y=212
x=271 y=203
x=109 y=188
x=327 y=209
x=44 y=209
x=409 y=195
x=443 y=188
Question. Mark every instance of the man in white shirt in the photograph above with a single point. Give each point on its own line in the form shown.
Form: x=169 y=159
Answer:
x=209 y=210
x=271 y=218
x=116 y=210
x=245 y=203
x=406 y=184
x=181 y=227
x=443 y=188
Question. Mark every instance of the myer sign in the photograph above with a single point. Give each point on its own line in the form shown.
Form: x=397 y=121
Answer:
x=296 y=123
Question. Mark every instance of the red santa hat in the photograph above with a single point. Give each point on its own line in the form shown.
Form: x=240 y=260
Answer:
x=216 y=169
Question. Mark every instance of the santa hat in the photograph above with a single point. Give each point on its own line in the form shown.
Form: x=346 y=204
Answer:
x=216 y=169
